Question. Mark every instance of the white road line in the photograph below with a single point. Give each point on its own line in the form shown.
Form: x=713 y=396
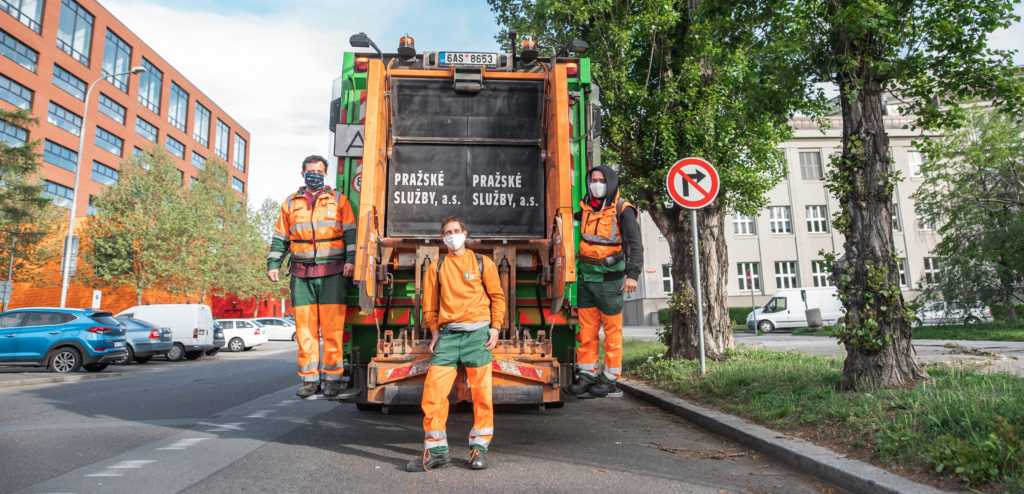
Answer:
x=233 y=426
x=184 y=443
x=258 y=415
x=105 y=473
x=129 y=464
x=286 y=403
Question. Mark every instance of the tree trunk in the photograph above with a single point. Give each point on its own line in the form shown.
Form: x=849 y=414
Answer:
x=674 y=223
x=867 y=274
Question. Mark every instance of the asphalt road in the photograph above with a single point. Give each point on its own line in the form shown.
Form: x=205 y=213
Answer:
x=232 y=423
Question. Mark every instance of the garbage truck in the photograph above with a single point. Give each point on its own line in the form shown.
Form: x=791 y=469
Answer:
x=501 y=140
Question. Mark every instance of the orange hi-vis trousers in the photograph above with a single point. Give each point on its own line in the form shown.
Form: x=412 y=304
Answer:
x=591 y=320
x=451 y=349
x=319 y=313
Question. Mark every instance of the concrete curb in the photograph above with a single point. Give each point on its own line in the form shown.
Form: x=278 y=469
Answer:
x=31 y=381
x=852 y=475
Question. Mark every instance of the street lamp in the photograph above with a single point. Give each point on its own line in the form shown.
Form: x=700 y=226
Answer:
x=66 y=269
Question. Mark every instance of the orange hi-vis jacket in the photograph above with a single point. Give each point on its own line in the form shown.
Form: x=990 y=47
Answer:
x=600 y=230
x=465 y=297
x=314 y=233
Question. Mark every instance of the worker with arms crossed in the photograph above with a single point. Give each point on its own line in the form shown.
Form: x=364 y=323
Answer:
x=610 y=259
x=464 y=306
x=318 y=229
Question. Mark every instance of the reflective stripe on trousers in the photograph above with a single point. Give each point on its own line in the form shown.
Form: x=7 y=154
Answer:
x=591 y=321
x=436 y=387
x=435 y=439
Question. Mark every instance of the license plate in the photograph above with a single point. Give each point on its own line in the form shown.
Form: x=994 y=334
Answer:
x=468 y=58
x=118 y=344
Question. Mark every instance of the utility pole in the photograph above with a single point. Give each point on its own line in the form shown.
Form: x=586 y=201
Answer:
x=10 y=271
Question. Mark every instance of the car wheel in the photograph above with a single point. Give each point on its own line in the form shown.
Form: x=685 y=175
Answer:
x=293 y=336
x=212 y=352
x=971 y=320
x=765 y=326
x=128 y=357
x=95 y=367
x=916 y=323
x=194 y=354
x=64 y=360
x=142 y=360
x=176 y=353
x=236 y=344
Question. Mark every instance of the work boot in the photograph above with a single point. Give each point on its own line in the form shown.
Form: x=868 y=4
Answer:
x=307 y=389
x=428 y=461
x=477 y=459
x=578 y=388
x=601 y=389
x=332 y=389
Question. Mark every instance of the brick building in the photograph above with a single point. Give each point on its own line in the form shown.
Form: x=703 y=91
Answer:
x=51 y=51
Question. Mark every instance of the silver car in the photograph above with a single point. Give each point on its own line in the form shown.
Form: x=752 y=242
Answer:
x=144 y=340
x=277 y=328
x=949 y=313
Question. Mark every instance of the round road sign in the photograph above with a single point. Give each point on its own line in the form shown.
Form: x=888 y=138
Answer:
x=692 y=183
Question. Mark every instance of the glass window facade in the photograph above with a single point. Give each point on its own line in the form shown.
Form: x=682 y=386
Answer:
x=820 y=274
x=201 y=126
x=60 y=194
x=749 y=275
x=92 y=209
x=914 y=161
x=15 y=93
x=897 y=225
x=177 y=108
x=175 y=147
x=112 y=109
x=55 y=154
x=117 y=59
x=74 y=32
x=145 y=129
x=238 y=185
x=743 y=224
x=64 y=118
x=810 y=165
x=11 y=135
x=932 y=270
x=28 y=12
x=779 y=219
x=103 y=173
x=223 y=134
x=239 y=160
x=150 y=83
x=19 y=52
x=110 y=142
x=68 y=82
x=666 y=278
x=902 y=266
x=198 y=160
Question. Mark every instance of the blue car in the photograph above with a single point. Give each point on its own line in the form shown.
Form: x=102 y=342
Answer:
x=145 y=340
x=65 y=340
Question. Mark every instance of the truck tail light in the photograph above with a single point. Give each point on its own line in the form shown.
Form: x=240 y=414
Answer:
x=572 y=70
x=154 y=334
x=362 y=64
x=195 y=332
x=100 y=330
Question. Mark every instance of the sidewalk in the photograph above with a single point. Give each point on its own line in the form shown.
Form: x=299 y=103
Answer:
x=32 y=376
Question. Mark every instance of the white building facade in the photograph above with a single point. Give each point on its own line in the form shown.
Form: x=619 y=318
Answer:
x=783 y=245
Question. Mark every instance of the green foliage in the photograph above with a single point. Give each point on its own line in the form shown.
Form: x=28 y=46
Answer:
x=962 y=423
x=679 y=302
x=973 y=191
x=637 y=352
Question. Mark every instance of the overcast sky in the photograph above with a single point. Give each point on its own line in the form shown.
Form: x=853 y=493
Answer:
x=270 y=64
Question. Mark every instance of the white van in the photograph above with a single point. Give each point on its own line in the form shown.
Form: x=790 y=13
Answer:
x=787 y=307
x=191 y=326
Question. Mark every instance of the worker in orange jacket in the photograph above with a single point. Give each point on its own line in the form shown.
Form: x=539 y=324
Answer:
x=464 y=306
x=317 y=228
x=610 y=259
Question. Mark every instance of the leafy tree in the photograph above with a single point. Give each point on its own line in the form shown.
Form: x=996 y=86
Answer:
x=217 y=219
x=928 y=51
x=27 y=219
x=142 y=230
x=672 y=85
x=974 y=189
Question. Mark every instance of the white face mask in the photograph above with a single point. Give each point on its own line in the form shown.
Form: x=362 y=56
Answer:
x=598 y=189
x=455 y=240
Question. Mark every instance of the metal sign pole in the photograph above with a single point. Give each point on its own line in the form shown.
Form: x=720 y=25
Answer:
x=696 y=275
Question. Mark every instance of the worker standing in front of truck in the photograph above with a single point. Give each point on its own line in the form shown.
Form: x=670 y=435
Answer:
x=611 y=257
x=464 y=306
x=317 y=227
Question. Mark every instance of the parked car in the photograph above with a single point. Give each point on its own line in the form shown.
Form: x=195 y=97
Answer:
x=144 y=340
x=787 y=308
x=942 y=312
x=242 y=334
x=65 y=340
x=277 y=328
x=191 y=326
x=218 y=340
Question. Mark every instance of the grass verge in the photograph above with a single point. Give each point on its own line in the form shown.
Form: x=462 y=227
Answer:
x=962 y=429
x=974 y=332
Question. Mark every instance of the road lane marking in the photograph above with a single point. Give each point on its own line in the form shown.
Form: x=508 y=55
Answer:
x=233 y=426
x=258 y=415
x=131 y=464
x=188 y=442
